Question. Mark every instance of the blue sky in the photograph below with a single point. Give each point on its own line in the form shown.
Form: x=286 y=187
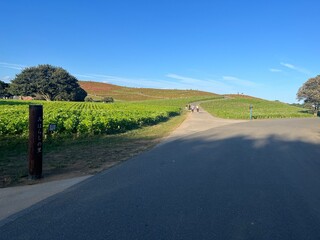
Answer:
x=266 y=49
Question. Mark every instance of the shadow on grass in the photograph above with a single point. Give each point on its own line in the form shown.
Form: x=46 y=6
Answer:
x=307 y=111
x=68 y=157
x=14 y=102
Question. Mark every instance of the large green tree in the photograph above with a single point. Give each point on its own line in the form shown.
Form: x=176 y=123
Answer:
x=310 y=93
x=49 y=82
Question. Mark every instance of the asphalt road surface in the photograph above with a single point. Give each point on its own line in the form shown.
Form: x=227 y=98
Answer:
x=247 y=180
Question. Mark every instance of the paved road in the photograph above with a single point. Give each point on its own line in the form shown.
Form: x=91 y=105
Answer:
x=243 y=180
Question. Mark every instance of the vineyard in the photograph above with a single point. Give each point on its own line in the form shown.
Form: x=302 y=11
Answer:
x=97 y=118
x=87 y=117
x=237 y=107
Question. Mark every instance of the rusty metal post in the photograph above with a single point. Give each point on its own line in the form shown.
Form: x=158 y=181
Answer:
x=35 y=141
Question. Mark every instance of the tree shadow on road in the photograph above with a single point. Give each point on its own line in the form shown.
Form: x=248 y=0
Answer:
x=199 y=187
x=263 y=188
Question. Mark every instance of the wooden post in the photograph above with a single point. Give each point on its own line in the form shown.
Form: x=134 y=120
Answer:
x=35 y=141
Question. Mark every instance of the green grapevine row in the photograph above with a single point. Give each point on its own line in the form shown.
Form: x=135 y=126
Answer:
x=84 y=118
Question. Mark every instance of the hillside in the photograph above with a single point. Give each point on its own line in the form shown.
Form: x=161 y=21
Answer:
x=98 y=90
x=235 y=106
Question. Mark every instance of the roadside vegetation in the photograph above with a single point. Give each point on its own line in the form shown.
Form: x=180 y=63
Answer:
x=238 y=107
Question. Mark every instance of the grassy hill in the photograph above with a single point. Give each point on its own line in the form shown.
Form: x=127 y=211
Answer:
x=98 y=90
x=237 y=107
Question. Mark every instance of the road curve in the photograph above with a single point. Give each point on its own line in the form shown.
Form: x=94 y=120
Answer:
x=243 y=180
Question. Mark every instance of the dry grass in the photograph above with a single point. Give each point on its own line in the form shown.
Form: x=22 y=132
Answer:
x=99 y=90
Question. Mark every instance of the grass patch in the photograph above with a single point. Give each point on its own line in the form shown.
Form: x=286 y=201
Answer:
x=68 y=156
x=238 y=108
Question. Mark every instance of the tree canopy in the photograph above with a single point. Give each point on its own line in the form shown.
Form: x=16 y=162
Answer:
x=310 y=92
x=4 y=89
x=49 y=82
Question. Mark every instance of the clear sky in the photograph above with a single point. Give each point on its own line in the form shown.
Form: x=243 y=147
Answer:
x=264 y=48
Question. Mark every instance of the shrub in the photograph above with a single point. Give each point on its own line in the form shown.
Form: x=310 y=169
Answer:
x=107 y=99
x=88 y=99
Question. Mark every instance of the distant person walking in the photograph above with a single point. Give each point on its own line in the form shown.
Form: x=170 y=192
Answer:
x=192 y=108
x=197 y=107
